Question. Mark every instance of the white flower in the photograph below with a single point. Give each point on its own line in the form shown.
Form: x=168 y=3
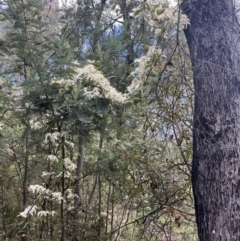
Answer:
x=52 y=158
x=35 y=125
x=38 y=189
x=1 y=125
x=136 y=83
x=91 y=94
x=69 y=164
x=45 y=174
x=45 y=213
x=141 y=71
x=52 y=137
x=67 y=174
x=89 y=72
x=9 y=150
x=28 y=210
x=57 y=196
x=69 y=194
x=69 y=143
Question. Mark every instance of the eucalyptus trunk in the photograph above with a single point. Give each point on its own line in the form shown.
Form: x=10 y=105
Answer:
x=214 y=42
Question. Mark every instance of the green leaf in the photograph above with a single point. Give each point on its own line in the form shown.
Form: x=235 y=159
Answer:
x=96 y=64
x=59 y=166
x=155 y=6
x=137 y=12
x=160 y=11
x=84 y=119
x=71 y=71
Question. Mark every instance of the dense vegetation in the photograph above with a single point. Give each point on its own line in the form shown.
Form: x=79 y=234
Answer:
x=95 y=122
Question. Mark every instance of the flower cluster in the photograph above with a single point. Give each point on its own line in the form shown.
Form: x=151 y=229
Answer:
x=156 y=14
x=32 y=210
x=140 y=73
x=100 y=81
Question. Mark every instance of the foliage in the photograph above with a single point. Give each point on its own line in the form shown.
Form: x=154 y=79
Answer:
x=96 y=117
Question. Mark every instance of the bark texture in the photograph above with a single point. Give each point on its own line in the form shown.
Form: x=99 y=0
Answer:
x=214 y=42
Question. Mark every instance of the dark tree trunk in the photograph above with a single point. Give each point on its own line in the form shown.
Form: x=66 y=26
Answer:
x=214 y=42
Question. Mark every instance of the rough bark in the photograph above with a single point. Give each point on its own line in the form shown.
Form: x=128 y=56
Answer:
x=214 y=38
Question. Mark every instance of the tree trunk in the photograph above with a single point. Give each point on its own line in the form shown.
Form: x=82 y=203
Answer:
x=77 y=200
x=214 y=42
x=25 y=171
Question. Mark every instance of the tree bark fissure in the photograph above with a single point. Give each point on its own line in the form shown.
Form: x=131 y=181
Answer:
x=213 y=39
